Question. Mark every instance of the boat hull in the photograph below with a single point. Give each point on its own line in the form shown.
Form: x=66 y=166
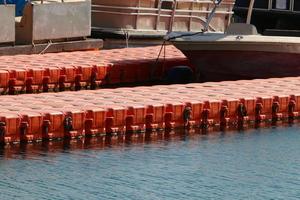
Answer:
x=220 y=65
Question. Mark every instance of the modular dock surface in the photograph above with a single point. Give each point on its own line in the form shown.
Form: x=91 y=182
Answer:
x=89 y=69
x=34 y=117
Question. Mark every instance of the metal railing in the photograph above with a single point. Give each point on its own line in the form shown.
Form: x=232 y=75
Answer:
x=172 y=13
x=289 y=7
x=276 y=5
x=42 y=1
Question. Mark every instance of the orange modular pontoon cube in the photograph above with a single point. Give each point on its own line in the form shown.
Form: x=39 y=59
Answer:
x=127 y=110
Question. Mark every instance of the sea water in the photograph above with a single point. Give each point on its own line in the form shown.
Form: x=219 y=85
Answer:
x=254 y=164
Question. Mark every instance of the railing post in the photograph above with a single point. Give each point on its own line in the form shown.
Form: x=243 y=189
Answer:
x=270 y=6
x=292 y=3
x=158 y=14
x=137 y=15
x=211 y=14
x=249 y=15
x=191 y=13
x=173 y=15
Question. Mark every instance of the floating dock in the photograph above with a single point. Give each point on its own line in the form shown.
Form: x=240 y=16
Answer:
x=89 y=69
x=70 y=114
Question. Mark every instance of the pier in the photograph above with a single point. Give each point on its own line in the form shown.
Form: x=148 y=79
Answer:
x=47 y=116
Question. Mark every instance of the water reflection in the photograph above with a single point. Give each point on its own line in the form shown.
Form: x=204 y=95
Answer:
x=22 y=151
x=25 y=151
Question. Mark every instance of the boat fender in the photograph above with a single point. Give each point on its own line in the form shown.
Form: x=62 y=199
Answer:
x=179 y=74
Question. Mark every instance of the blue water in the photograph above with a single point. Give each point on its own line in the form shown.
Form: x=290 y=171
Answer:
x=256 y=164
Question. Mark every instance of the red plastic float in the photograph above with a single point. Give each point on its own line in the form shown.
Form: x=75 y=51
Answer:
x=59 y=71
x=34 y=117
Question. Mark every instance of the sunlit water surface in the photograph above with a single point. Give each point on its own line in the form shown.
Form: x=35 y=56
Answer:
x=256 y=164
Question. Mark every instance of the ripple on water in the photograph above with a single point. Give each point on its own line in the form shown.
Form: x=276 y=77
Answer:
x=256 y=164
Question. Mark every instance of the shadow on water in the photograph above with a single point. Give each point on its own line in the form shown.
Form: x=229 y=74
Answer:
x=23 y=151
